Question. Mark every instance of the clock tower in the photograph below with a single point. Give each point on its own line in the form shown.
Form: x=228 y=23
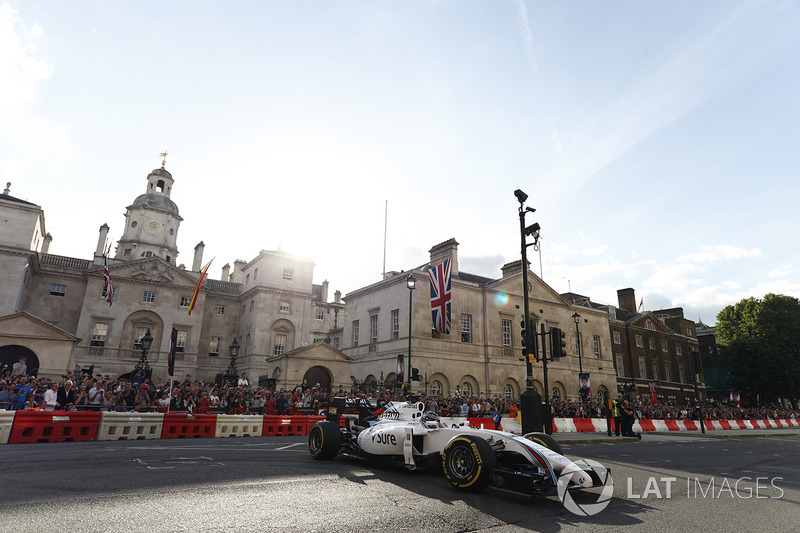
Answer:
x=151 y=222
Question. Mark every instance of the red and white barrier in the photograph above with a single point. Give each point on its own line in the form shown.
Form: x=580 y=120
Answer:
x=590 y=425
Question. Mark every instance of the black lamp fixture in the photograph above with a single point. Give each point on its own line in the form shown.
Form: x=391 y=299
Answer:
x=145 y=342
x=231 y=374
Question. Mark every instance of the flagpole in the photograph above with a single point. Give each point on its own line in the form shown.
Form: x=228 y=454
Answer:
x=385 y=225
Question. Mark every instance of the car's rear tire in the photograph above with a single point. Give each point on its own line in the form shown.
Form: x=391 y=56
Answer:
x=324 y=440
x=468 y=462
x=543 y=439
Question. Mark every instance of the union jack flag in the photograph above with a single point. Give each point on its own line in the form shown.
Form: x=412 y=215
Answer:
x=108 y=289
x=440 y=296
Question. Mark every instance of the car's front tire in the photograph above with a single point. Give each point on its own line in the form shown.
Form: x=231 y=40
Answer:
x=324 y=440
x=468 y=462
x=543 y=439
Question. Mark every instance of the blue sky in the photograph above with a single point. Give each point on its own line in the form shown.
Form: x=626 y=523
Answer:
x=657 y=141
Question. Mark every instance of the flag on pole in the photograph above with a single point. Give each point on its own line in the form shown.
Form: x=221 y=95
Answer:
x=199 y=284
x=108 y=288
x=641 y=304
x=653 y=395
x=440 y=296
x=173 y=343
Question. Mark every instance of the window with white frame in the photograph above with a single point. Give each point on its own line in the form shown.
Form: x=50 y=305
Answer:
x=664 y=346
x=596 y=346
x=395 y=323
x=280 y=344
x=556 y=394
x=320 y=313
x=689 y=331
x=355 y=332
x=336 y=342
x=667 y=372
x=617 y=338
x=682 y=374
x=506 y=330
x=436 y=387
x=642 y=369
x=138 y=333
x=148 y=297
x=58 y=290
x=213 y=346
x=649 y=325
x=288 y=273
x=620 y=366
x=99 y=334
x=466 y=389
x=285 y=307
x=508 y=392
x=655 y=370
x=651 y=342
x=373 y=329
x=185 y=301
x=678 y=349
x=180 y=344
x=639 y=341
x=466 y=328
x=219 y=309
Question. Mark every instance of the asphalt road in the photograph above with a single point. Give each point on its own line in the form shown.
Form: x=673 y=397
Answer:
x=271 y=484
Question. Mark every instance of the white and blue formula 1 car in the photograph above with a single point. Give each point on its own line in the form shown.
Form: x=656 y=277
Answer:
x=471 y=459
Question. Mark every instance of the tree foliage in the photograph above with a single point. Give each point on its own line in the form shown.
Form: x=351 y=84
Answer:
x=759 y=347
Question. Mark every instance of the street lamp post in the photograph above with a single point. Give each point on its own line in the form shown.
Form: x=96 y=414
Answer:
x=411 y=282
x=231 y=374
x=577 y=318
x=142 y=365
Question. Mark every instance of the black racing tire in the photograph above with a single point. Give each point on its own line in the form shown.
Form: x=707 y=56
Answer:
x=324 y=440
x=468 y=462
x=543 y=439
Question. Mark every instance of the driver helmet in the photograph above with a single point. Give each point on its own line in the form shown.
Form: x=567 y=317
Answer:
x=429 y=419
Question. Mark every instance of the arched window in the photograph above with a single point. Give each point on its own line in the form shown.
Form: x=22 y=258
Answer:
x=466 y=389
x=555 y=394
x=436 y=388
x=601 y=397
x=508 y=392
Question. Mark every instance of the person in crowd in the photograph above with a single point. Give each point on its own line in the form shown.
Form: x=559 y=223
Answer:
x=67 y=396
x=51 y=398
x=243 y=383
x=96 y=394
x=8 y=397
x=23 y=389
x=618 y=415
x=20 y=368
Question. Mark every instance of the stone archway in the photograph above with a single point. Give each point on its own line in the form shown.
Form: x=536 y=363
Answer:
x=318 y=376
x=11 y=353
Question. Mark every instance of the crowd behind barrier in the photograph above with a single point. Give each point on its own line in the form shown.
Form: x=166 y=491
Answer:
x=83 y=392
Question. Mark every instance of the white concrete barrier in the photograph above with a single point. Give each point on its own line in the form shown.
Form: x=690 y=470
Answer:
x=239 y=425
x=130 y=426
x=6 y=421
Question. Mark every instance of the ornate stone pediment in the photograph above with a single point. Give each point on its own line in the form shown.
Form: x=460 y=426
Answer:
x=152 y=272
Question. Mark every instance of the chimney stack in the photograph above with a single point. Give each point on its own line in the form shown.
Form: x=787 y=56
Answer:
x=101 y=245
x=197 y=264
x=442 y=251
x=46 y=243
x=226 y=272
x=627 y=300
x=324 y=296
x=337 y=297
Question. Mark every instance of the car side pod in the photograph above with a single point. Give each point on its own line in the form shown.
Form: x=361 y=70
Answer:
x=468 y=462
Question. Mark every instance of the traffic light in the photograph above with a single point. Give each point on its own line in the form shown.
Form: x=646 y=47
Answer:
x=524 y=337
x=557 y=343
x=415 y=374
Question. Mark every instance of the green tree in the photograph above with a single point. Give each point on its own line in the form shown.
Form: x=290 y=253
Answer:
x=759 y=343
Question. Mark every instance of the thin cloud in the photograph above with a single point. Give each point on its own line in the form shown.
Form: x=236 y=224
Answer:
x=527 y=35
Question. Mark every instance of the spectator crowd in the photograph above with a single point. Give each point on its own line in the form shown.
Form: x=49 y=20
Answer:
x=84 y=391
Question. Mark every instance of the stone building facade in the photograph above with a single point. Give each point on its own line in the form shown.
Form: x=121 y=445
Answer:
x=52 y=310
x=482 y=353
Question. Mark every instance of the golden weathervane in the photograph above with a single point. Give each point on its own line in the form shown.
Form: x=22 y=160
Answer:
x=164 y=155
